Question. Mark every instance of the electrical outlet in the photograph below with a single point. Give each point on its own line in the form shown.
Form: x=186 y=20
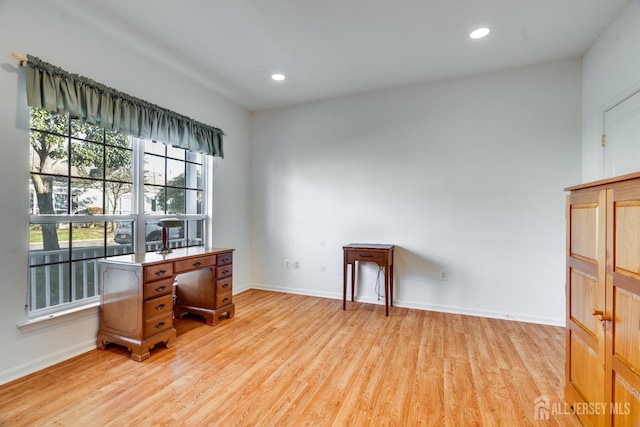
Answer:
x=444 y=275
x=287 y=264
x=296 y=264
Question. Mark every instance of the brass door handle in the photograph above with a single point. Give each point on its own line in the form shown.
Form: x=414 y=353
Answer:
x=601 y=316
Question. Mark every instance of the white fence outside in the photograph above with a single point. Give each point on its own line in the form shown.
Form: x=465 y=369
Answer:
x=49 y=276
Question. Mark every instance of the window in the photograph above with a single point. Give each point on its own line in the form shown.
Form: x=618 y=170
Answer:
x=92 y=192
x=173 y=185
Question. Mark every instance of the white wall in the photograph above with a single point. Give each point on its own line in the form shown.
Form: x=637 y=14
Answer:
x=611 y=72
x=41 y=30
x=465 y=175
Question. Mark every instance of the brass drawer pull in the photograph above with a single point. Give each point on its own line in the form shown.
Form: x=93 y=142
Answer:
x=197 y=264
x=225 y=271
x=225 y=286
x=160 y=288
x=160 y=306
x=225 y=300
x=160 y=272
x=159 y=325
x=224 y=260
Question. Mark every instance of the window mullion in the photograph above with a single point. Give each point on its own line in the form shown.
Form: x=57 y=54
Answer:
x=105 y=206
x=207 y=199
x=71 y=283
x=138 y=191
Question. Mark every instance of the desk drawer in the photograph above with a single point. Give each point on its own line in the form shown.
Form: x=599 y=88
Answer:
x=157 y=288
x=224 y=285
x=193 y=263
x=158 y=271
x=223 y=299
x=158 y=324
x=224 y=271
x=367 y=256
x=225 y=258
x=157 y=306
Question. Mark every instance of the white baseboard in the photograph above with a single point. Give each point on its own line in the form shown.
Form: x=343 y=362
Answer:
x=46 y=361
x=517 y=317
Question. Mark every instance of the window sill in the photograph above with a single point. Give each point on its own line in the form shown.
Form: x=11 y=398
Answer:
x=54 y=319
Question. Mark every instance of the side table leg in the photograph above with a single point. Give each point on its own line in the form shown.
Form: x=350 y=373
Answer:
x=344 y=285
x=391 y=285
x=353 y=280
x=386 y=290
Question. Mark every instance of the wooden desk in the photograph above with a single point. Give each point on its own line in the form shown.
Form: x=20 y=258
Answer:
x=136 y=299
x=366 y=252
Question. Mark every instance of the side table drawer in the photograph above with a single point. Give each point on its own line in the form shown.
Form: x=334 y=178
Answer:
x=158 y=272
x=366 y=256
x=155 y=289
x=191 y=264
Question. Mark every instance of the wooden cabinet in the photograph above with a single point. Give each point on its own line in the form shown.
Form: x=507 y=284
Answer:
x=137 y=295
x=603 y=302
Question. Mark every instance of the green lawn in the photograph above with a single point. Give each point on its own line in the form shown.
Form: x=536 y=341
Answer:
x=35 y=236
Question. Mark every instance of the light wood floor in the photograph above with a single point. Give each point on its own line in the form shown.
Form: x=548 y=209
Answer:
x=295 y=360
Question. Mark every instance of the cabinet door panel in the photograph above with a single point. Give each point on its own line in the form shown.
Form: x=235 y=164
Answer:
x=626 y=340
x=627 y=238
x=584 y=232
x=584 y=368
x=625 y=411
x=584 y=297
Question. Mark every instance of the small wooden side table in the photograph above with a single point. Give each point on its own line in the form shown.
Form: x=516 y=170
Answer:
x=367 y=252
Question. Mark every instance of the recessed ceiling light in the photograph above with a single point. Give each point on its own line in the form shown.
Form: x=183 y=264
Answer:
x=479 y=33
x=278 y=77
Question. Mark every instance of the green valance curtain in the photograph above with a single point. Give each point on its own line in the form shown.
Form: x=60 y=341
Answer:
x=57 y=91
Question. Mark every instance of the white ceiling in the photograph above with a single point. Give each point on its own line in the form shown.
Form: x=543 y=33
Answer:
x=329 y=48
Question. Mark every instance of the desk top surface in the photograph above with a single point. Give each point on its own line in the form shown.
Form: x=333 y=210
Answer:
x=368 y=246
x=154 y=258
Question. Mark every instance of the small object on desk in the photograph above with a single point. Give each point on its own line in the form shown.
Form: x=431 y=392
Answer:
x=167 y=223
x=368 y=252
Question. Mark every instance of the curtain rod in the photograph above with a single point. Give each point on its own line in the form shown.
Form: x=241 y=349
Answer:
x=22 y=58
